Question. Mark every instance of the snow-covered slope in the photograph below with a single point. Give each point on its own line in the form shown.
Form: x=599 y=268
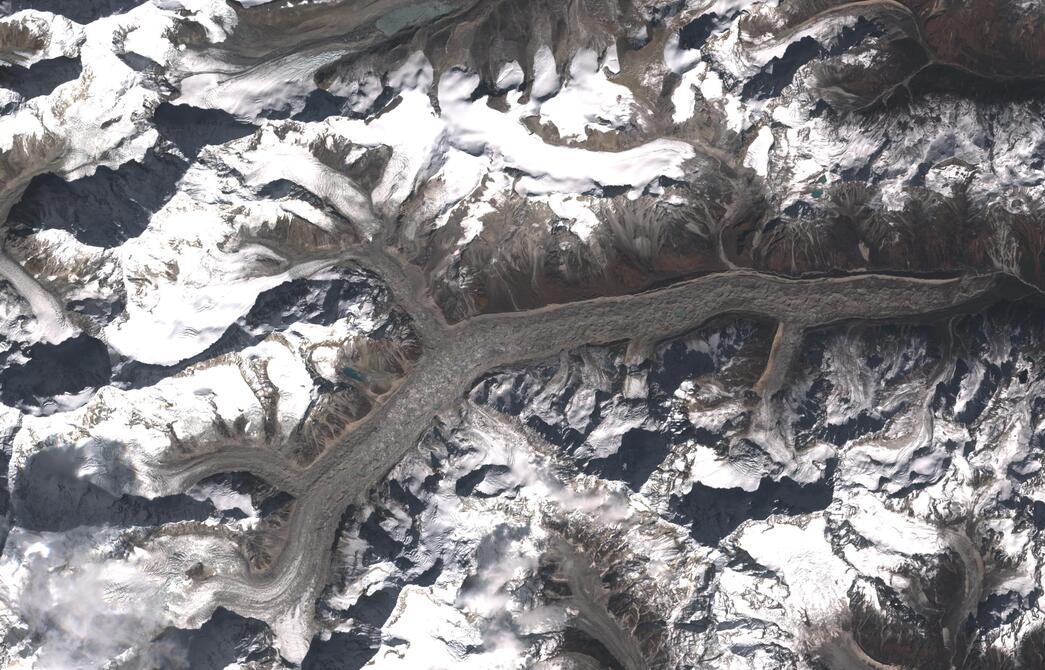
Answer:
x=243 y=245
x=631 y=512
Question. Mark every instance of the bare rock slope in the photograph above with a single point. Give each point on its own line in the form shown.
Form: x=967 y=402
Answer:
x=522 y=334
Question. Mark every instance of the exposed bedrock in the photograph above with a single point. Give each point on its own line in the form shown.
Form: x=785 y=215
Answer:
x=344 y=474
x=506 y=333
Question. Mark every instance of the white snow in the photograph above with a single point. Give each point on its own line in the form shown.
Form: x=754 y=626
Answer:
x=711 y=88
x=757 y=157
x=52 y=324
x=188 y=409
x=510 y=76
x=294 y=163
x=677 y=59
x=281 y=84
x=425 y=633
x=477 y=129
x=712 y=470
x=817 y=580
x=195 y=312
x=588 y=100
x=545 y=75
x=577 y=209
x=417 y=137
x=223 y=497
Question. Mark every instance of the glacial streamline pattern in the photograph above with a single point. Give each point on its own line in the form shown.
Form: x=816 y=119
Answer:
x=498 y=334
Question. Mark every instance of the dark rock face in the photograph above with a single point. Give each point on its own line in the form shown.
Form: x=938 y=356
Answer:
x=5 y=499
x=466 y=485
x=51 y=496
x=191 y=128
x=114 y=205
x=317 y=301
x=225 y=639
x=105 y=209
x=264 y=497
x=41 y=77
x=343 y=651
x=678 y=363
x=780 y=72
x=640 y=453
x=715 y=513
x=576 y=641
x=372 y=611
x=71 y=366
x=587 y=505
x=381 y=544
x=98 y=311
x=696 y=32
x=322 y=104
x=81 y=11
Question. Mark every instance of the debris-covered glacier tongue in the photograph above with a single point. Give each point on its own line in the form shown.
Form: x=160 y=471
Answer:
x=667 y=334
